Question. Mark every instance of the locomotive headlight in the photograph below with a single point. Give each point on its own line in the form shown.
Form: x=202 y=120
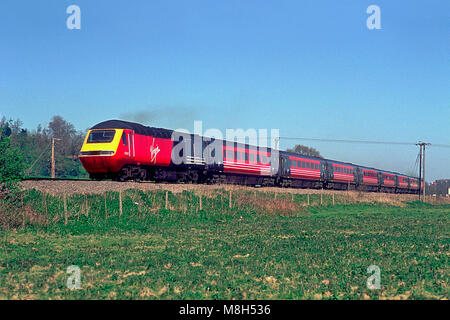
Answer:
x=96 y=153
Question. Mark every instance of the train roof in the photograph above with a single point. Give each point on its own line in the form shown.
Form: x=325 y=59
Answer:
x=136 y=127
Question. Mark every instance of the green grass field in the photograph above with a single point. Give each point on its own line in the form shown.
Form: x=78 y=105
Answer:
x=246 y=252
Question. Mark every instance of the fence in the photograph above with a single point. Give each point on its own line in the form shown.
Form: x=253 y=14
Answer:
x=43 y=208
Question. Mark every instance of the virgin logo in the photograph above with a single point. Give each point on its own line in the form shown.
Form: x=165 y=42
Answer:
x=154 y=150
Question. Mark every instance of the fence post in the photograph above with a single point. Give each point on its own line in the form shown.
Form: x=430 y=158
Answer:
x=120 y=203
x=45 y=204
x=229 y=201
x=106 y=208
x=200 y=200
x=23 y=211
x=321 y=197
x=65 y=208
x=86 y=204
x=333 y=199
x=307 y=198
x=167 y=199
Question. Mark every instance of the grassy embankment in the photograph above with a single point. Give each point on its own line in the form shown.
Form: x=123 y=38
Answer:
x=262 y=248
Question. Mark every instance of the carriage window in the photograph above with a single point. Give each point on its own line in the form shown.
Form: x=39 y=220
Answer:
x=229 y=154
x=101 y=136
x=294 y=163
x=307 y=165
x=252 y=157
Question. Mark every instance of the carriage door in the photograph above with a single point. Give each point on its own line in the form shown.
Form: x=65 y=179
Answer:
x=285 y=166
x=131 y=143
x=128 y=142
x=322 y=171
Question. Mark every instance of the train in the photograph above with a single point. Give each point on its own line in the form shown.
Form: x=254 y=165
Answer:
x=123 y=150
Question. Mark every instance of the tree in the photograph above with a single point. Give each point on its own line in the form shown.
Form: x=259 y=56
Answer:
x=306 y=151
x=11 y=163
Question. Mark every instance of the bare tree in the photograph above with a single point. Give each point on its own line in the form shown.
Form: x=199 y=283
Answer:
x=306 y=151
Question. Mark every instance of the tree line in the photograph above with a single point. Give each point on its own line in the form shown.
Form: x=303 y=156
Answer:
x=34 y=147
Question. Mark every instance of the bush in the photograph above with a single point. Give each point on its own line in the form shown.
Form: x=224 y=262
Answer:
x=11 y=165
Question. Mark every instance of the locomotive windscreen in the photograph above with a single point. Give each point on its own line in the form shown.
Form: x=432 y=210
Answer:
x=101 y=136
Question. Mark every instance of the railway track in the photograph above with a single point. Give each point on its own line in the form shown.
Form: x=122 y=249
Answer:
x=54 y=179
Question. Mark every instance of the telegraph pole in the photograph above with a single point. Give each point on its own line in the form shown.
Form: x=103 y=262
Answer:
x=53 y=156
x=422 y=168
x=423 y=164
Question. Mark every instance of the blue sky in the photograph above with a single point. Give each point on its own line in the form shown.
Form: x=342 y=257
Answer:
x=308 y=68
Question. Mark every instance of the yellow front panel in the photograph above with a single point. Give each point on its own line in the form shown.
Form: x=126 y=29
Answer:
x=110 y=146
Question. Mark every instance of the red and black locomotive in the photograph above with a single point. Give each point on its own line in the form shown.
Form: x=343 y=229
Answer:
x=122 y=150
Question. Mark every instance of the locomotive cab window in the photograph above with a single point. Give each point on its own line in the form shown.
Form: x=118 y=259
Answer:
x=124 y=139
x=101 y=136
